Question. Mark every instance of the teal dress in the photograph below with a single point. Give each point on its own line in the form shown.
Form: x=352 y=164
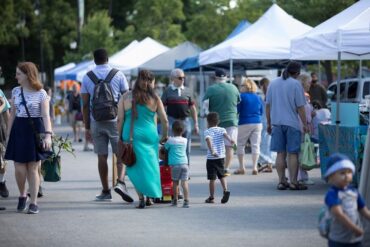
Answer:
x=144 y=174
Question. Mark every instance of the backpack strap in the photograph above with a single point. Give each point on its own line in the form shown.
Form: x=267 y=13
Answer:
x=110 y=75
x=93 y=77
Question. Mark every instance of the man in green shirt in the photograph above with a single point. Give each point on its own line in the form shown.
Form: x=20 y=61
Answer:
x=223 y=98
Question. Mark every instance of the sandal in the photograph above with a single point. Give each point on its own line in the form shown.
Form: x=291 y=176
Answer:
x=239 y=172
x=297 y=186
x=149 y=202
x=210 y=200
x=282 y=186
x=141 y=203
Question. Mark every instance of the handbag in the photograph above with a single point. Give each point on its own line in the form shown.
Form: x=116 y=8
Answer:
x=126 y=149
x=39 y=137
x=308 y=161
x=51 y=169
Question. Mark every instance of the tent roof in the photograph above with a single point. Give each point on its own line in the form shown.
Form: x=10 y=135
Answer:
x=139 y=54
x=267 y=39
x=348 y=32
x=243 y=24
x=165 y=62
x=120 y=56
x=59 y=72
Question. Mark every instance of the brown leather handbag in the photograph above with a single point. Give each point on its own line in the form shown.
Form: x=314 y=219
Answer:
x=126 y=149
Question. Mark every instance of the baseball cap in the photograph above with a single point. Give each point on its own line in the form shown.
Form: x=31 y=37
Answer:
x=220 y=73
x=338 y=162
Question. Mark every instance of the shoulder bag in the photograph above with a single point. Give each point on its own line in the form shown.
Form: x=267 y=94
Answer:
x=39 y=137
x=126 y=149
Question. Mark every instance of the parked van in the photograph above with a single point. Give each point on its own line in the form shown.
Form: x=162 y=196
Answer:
x=351 y=90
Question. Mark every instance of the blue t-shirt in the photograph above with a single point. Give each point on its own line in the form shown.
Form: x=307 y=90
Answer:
x=250 y=108
x=351 y=202
x=216 y=135
x=176 y=147
x=284 y=97
x=118 y=83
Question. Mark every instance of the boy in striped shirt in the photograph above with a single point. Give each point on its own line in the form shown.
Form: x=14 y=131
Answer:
x=214 y=137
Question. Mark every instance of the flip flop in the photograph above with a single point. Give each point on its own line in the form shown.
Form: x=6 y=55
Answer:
x=282 y=186
x=297 y=186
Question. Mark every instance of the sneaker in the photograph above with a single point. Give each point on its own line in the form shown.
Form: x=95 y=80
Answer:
x=174 y=202
x=3 y=190
x=121 y=190
x=180 y=197
x=226 y=196
x=185 y=204
x=33 y=209
x=104 y=196
x=210 y=200
x=22 y=201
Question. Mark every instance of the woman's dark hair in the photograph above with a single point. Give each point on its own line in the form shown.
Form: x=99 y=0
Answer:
x=100 y=56
x=143 y=90
x=213 y=119
x=316 y=104
x=177 y=128
x=292 y=68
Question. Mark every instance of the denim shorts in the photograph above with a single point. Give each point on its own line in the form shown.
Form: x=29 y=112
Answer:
x=285 y=139
x=180 y=172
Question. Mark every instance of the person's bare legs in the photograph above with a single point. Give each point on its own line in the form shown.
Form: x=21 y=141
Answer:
x=241 y=163
x=175 y=188
x=223 y=184
x=255 y=161
x=229 y=152
x=33 y=180
x=103 y=170
x=293 y=167
x=121 y=171
x=212 y=188
x=21 y=177
x=280 y=166
x=185 y=189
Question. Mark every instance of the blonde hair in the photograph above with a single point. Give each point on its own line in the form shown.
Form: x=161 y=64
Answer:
x=305 y=81
x=248 y=85
x=32 y=73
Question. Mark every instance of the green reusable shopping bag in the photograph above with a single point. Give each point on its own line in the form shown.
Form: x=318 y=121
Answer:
x=308 y=160
x=51 y=170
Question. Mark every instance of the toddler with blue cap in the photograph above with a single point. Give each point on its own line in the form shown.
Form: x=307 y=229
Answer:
x=344 y=202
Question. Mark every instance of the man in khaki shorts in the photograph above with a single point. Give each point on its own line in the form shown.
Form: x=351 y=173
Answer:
x=223 y=98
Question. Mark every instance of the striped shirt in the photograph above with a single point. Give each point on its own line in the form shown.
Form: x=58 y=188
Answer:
x=33 y=100
x=178 y=101
x=176 y=147
x=216 y=136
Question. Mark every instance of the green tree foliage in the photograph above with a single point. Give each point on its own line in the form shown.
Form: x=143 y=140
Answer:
x=158 y=19
x=97 y=33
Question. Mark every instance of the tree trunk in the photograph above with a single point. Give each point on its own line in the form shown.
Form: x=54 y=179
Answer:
x=328 y=71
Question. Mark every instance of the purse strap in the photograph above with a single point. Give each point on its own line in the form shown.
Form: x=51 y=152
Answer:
x=28 y=113
x=133 y=115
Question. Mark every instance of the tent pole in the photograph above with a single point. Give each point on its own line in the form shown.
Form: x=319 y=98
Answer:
x=231 y=70
x=319 y=71
x=202 y=118
x=337 y=121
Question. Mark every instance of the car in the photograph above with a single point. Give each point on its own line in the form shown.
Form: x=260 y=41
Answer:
x=351 y=90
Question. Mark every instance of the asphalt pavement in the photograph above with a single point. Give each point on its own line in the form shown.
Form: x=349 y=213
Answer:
x=256 y=215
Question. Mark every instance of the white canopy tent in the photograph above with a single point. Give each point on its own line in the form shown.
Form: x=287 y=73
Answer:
x=165 y=62
x=139 y=54
x=118 y=57
x=267 y=39
x=347 y=32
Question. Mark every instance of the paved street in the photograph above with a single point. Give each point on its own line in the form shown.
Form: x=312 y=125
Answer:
x=256 y=215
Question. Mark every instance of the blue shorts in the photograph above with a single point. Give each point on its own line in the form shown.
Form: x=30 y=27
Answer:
x=285 y=139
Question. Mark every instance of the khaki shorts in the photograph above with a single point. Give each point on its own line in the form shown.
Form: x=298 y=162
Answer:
x=103 y=133
x=233 y=133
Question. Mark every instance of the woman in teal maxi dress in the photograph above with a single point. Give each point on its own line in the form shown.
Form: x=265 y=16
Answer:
x=144 y=174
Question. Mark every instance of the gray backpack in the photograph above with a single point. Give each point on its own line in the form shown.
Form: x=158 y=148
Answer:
x=104 y=107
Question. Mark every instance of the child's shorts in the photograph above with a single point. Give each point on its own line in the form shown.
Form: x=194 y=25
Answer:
x=180 y=172
x=215 y=168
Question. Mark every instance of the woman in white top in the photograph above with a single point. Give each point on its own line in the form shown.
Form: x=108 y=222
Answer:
x=22 y=144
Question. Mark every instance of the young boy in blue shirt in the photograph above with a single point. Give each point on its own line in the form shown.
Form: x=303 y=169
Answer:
x=178 y=160
x=344 y=203
x=214 y=137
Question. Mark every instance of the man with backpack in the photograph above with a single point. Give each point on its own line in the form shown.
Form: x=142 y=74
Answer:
x=100 y=91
